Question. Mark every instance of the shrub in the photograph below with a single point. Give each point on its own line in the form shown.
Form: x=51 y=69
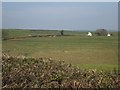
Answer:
x=27 y=72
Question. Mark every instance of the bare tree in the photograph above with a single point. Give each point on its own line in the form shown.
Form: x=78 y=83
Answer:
x=62 y=32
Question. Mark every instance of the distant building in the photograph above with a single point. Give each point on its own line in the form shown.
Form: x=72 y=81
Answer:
x=108 y=34
x=89 y=34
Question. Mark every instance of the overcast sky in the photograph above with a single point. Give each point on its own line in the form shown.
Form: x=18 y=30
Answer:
x=58 y=15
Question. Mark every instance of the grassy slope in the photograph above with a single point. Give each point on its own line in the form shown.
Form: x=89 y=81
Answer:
x=87 y=52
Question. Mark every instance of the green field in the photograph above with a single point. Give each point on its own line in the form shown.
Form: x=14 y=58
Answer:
x=100 y=52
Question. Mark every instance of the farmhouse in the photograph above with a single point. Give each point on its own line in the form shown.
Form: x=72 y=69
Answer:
x=108 y=34
x=89 y=34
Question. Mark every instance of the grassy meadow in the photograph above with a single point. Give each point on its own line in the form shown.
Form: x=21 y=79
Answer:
x=99 y=52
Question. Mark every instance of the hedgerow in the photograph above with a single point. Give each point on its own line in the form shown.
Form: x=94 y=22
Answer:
x=28 y=72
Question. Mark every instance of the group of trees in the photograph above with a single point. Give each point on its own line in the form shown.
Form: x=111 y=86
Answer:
x=101 y=32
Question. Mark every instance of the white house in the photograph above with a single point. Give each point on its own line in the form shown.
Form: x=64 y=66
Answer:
x=89 y=34
x=108 y=35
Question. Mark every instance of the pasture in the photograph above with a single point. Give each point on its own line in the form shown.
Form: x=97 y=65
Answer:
x=100 y=52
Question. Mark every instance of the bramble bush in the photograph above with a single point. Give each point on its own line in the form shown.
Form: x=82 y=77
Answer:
x=28 y=72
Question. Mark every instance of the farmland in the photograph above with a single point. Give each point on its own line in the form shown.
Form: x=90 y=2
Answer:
x=46 y=59
x=98 y=52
